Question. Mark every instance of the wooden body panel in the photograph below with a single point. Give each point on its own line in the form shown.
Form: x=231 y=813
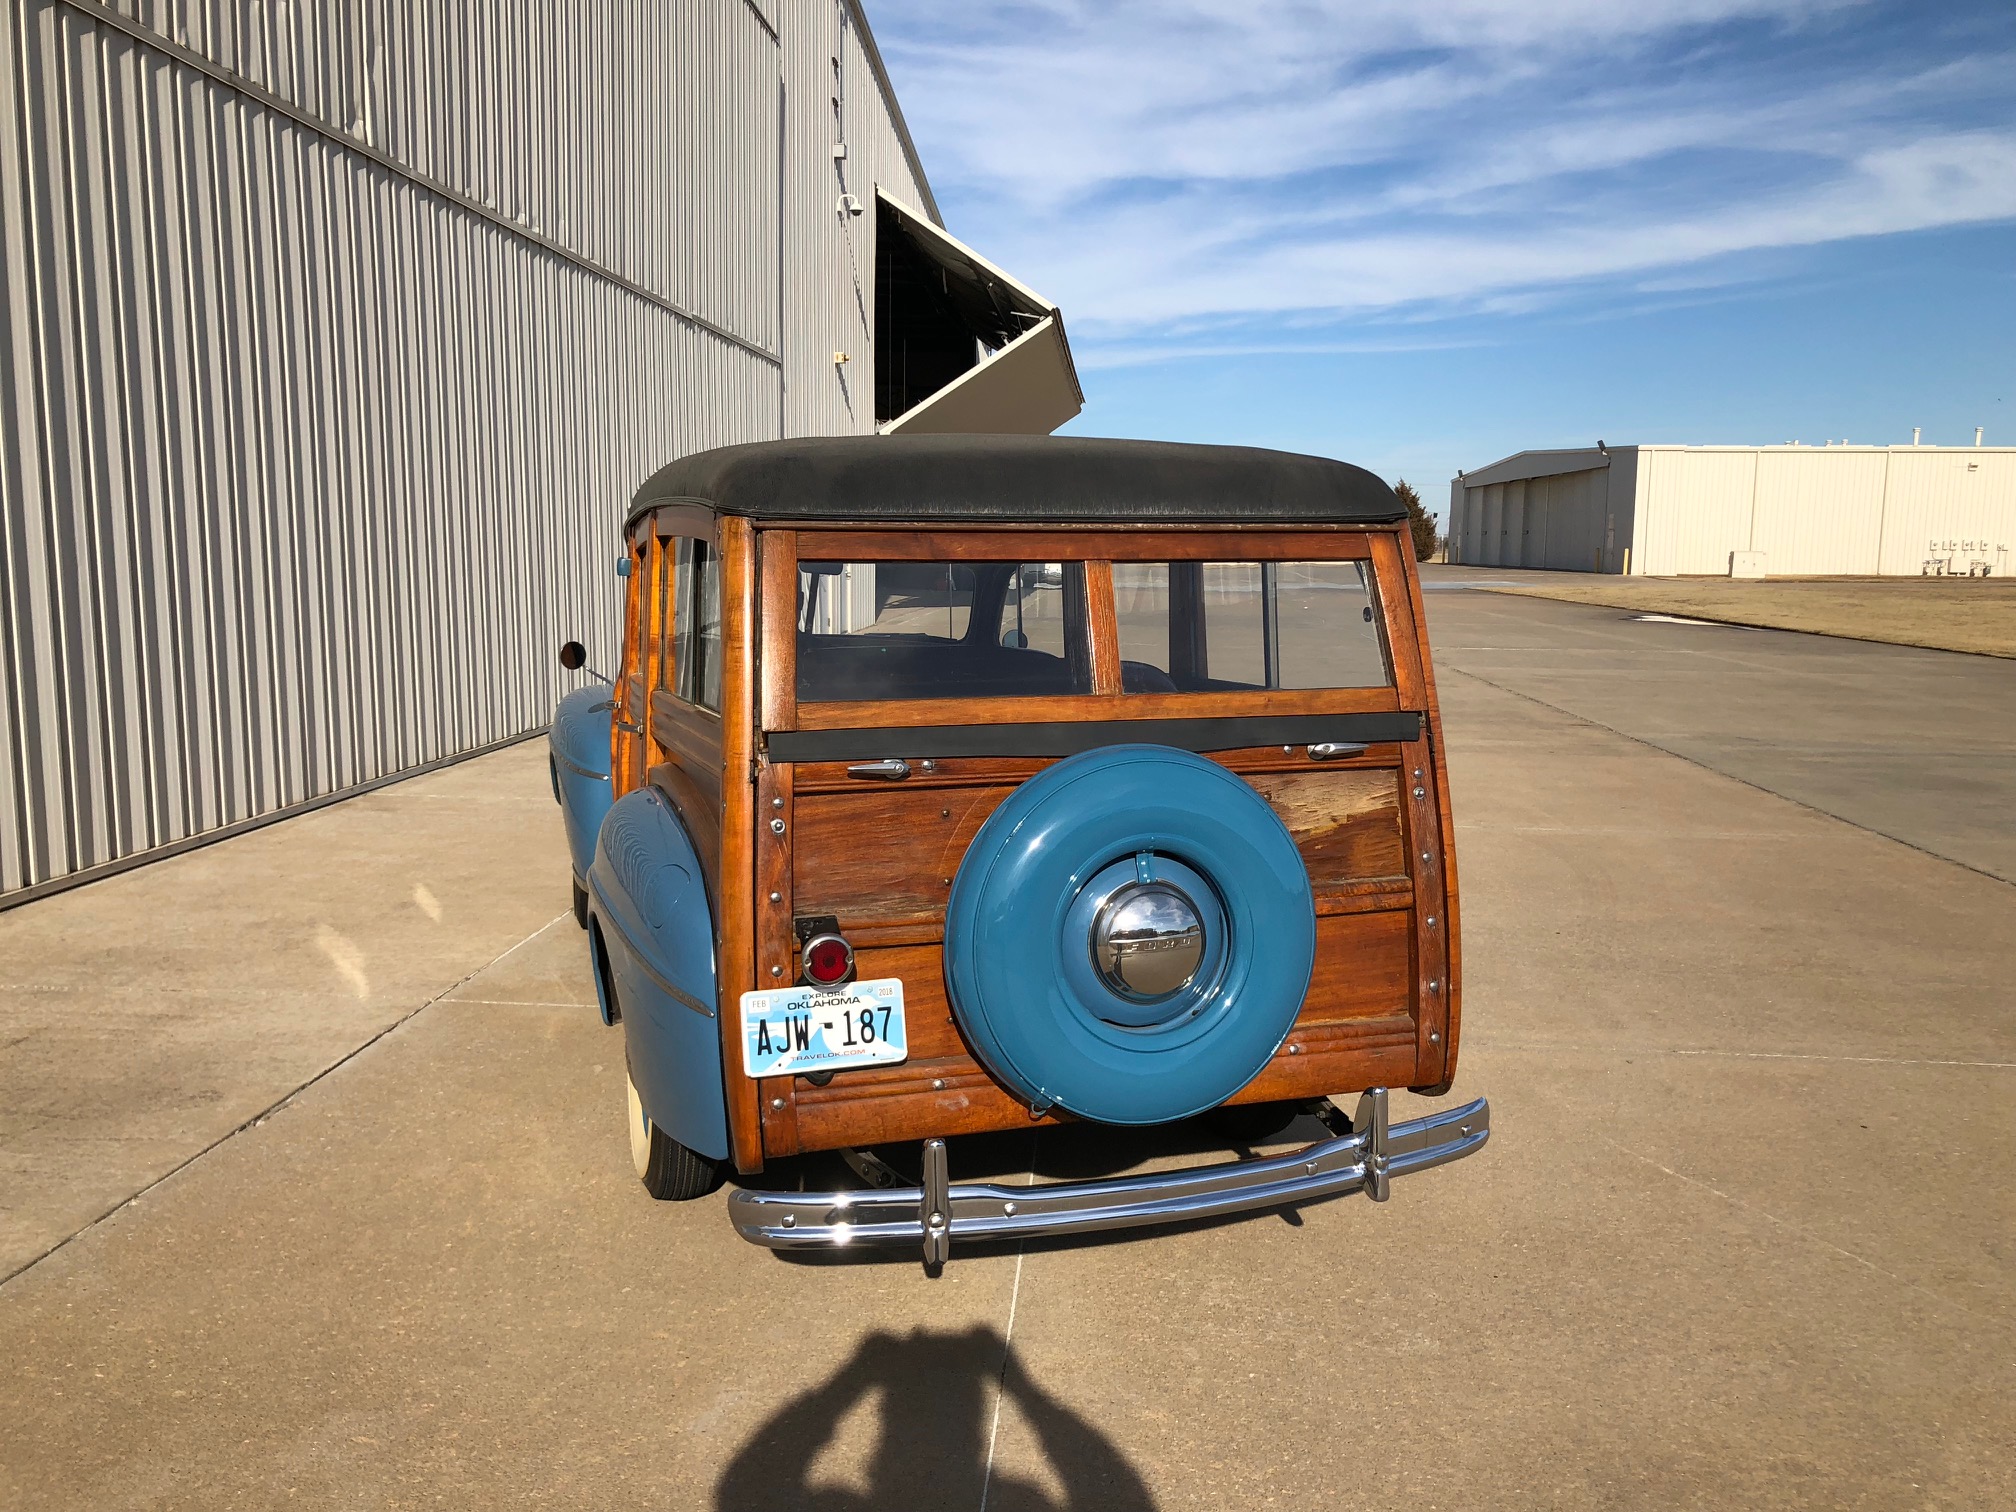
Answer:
x=1347 y=1027
x=788 y=841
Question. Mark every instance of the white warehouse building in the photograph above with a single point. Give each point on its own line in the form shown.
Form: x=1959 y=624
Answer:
x=1781 y=511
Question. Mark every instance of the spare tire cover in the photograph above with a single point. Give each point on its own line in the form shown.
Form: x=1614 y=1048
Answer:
x=1029 y=992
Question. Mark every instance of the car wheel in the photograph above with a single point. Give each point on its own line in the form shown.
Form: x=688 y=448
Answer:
x=580 y=905
x=670 y=1172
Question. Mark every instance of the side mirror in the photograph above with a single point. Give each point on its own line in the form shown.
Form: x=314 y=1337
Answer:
x=573 y=656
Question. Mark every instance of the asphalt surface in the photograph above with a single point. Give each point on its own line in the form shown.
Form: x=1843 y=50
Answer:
x=1744 y=1235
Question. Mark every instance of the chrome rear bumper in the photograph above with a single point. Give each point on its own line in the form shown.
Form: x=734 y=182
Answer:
x=1367 y=1158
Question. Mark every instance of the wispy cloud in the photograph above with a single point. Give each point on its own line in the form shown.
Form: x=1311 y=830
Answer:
x=1191 y=177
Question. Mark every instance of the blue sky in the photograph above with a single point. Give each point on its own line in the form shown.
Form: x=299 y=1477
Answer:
x=1421 y=236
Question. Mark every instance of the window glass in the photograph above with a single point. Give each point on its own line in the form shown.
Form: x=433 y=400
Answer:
x=1221 y=626
x=696 y=605
x=877 y=630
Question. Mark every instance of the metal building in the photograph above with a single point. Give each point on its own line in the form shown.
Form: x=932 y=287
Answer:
x=1779 y=511
x=334 y=336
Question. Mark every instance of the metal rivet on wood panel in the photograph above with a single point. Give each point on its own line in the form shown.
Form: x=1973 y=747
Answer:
x=777 y=1102
x=1434 y=1038
x=776 y=971
x=937 y=1084
x=1420 y=792
x=779 y=802
x=777 y=828
x=779 y=898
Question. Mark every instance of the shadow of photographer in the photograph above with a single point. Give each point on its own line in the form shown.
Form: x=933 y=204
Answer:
x=936 y=1411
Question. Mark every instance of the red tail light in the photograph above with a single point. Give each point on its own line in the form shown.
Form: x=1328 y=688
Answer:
x=828 y=960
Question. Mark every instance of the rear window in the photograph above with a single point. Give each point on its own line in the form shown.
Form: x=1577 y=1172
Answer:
x=1189 y=627
x=893 y=630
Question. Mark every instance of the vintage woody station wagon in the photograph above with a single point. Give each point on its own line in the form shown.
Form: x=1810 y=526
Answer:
x=965 y=783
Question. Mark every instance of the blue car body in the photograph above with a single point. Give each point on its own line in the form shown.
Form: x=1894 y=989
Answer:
x=577 y=745
x=651 y=933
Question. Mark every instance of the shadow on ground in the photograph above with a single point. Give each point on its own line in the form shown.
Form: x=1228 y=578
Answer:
x=934 y=1429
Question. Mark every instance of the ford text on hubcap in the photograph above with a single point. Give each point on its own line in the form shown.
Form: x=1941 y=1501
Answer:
x=1147 y=941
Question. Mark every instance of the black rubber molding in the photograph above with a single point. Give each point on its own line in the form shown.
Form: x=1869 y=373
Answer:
x=940 y=741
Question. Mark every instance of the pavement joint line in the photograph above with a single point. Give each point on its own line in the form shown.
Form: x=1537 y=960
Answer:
x=1756 y=787
x=266 y=1113
x=518 y=1002
x=1007 y=1340
x=1806 y=1234
x=1852 y=1060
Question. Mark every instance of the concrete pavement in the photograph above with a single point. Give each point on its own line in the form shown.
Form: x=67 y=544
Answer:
x=1743 y=1237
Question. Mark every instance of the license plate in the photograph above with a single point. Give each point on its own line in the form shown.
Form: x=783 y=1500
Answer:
x=793 y=1031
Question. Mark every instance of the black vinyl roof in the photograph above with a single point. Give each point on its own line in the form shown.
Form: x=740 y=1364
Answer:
x=1003 y=479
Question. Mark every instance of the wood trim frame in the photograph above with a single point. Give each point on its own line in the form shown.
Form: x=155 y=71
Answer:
x=1077 y=707
x=735 y=969
x=1429 y=852
x=1103 y=621
x=1438 y=1067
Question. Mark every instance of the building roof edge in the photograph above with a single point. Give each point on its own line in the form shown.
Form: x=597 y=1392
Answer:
x=859 y=16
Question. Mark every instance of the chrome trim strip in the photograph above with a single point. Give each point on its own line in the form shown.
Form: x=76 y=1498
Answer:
x=1371 y=1156
x=678 y=994
x=576 y=767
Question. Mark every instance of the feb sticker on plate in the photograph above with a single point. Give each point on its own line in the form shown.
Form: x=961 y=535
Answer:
x=794 y=1031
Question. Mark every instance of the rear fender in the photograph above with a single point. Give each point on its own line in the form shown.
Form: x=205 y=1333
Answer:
x=650 y=900
x=578 y=743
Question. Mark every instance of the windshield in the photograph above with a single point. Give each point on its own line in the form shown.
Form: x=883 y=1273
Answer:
x=885 y=630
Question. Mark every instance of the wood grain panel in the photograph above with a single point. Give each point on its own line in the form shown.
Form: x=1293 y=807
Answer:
x=736 y=963
x=1354 y=1031
x=882 y=855
x=1087 y=707
x=887 y=853
x=1345 y=823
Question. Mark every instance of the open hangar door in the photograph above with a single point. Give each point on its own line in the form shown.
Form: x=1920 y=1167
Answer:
x=960 y=346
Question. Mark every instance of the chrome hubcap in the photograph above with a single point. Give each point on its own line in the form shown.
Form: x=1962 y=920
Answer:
x=1147 y=941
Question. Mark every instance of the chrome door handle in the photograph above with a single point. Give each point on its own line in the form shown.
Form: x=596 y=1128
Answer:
x=893 y=769
x=1329 y=750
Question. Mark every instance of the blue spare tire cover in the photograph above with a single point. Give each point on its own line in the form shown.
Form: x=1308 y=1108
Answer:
x=1019 y=965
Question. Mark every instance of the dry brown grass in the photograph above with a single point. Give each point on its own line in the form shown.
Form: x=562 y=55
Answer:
x=1945 y=614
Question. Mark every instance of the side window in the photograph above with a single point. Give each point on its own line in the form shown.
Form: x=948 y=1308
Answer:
x=700 y=625
x=663 y=613
x=690 y=604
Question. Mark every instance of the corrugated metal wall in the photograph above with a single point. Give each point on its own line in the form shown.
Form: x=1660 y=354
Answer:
x=334 y=339
x=1556 y=521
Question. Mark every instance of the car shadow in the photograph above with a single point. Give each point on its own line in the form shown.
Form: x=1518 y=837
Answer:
x=934 y=1439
